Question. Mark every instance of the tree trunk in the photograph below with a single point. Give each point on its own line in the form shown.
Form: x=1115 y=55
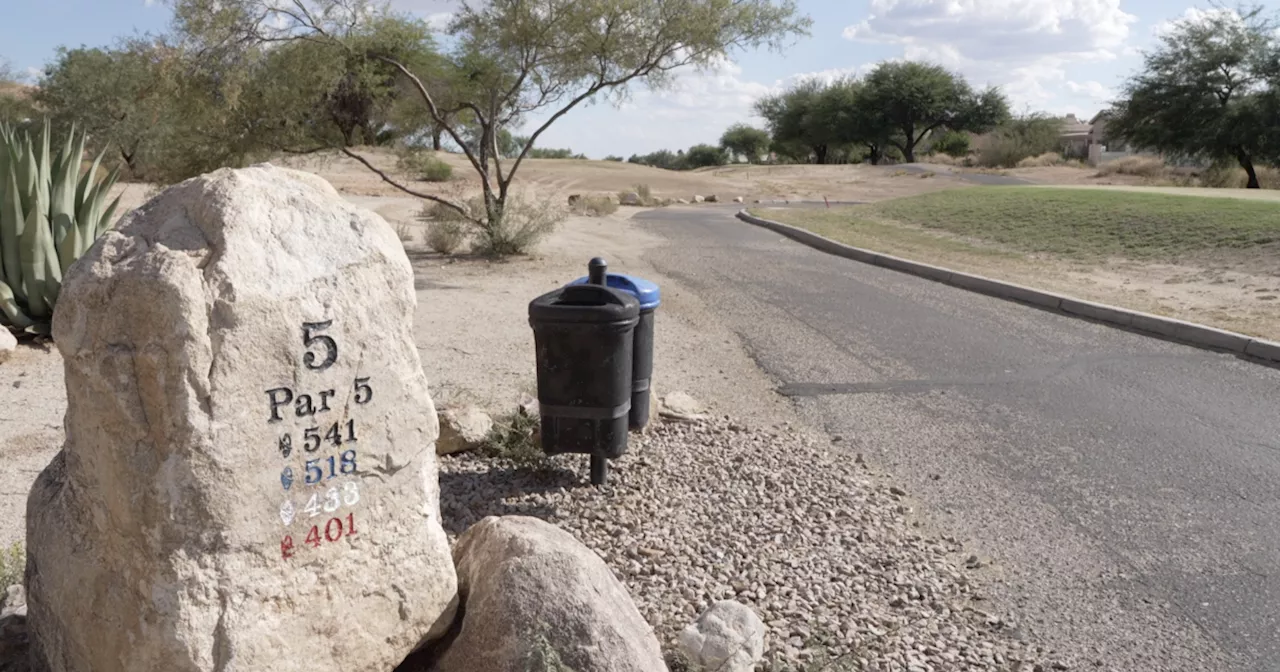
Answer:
x=874 y=154
x=435 y=137
x=909 y=153
x=1246 y=162
x=820 y=154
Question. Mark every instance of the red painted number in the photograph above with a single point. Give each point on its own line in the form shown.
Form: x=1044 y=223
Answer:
x=334 y=530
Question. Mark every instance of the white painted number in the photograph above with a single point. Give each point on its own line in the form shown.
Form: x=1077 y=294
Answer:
x=351 y=493
x=286 y=512
x=313 y=506
x=332 y=501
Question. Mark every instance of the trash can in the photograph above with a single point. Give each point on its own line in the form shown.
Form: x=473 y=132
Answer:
x=649 y=296
x=583 y=337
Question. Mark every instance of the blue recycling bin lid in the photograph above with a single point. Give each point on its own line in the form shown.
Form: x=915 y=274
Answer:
x=645 y=292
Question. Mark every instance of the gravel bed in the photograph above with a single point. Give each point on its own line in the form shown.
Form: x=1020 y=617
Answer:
x=798 y=529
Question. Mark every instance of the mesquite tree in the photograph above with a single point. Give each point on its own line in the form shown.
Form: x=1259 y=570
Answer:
x=514 y=61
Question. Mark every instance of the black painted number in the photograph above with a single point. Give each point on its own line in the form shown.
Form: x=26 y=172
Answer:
x=310 y=339
x=286 y=445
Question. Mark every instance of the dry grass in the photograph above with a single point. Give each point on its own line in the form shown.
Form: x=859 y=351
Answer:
x=446 y=237
x=1049 y=159
x=1141 y=166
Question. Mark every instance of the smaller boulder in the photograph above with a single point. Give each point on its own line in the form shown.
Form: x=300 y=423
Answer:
x=8 y=345
x=682 y=201
x=462 y=429
x=681 y=407
x=738 y=199
x=574 y=198
x=713 y=199
x=534 y=597
x=728 y=637
x=14 y=641
x=698 y=198
x=630 y=198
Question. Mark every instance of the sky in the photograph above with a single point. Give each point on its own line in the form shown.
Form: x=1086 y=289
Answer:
x=1057 y=56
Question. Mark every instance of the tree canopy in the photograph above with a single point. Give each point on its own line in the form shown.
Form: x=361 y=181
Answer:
x=744 y=140
x=915 y=99
x=510 y=59
x=1209 y=90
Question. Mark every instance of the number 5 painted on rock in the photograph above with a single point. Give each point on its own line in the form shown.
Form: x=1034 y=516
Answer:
x=310 y=338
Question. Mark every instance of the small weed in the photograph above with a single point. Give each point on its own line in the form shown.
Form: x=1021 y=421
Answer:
x=13 y=565
x=404 y=232
x=898 y=173
x=927 y=174
x=516 y=438
x=524 y=223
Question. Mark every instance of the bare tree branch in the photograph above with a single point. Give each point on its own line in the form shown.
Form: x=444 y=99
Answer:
x=387 y=178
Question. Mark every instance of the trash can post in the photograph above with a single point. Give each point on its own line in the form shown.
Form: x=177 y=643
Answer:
x=649 y=296
x=583 y=340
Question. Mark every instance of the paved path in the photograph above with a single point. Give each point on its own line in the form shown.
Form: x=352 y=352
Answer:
x=1125 y=489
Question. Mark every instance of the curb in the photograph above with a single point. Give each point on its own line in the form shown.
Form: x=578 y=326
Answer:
x=1190 y=333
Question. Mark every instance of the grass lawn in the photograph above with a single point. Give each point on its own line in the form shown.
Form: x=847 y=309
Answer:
x=1080 y=224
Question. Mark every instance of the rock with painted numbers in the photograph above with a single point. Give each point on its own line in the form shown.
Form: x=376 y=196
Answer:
x=532 y=594
x=728 y=637
x=462 y=429
x=248 y=480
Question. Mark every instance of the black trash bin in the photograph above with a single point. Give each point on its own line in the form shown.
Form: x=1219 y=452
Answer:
x=583 y=336
x=649 y=296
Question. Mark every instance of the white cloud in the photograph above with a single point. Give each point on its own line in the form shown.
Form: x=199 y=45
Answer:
x=1024 y=46
x=1095 y=91
x=439 y=20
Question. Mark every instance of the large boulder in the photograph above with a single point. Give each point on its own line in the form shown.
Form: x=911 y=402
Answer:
x=461 y=429
x=727 y=637
x=248 y=480
x=532 y=593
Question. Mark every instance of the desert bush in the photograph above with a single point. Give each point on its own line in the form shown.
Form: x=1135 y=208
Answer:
x=611 y=157
x=13 y=565
x=646 y=194
x=404 y=233
x=1022 y=137
x=1046 y=159
x=953 y=144
x=423 y=165
x=1141 y=166
x=523 y=223
x=446 y=237
x=594 y=206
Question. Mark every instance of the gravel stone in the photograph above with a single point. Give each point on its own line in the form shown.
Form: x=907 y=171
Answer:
x=786 y=524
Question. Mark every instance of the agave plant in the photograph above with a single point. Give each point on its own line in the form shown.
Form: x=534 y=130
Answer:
x=50 y=214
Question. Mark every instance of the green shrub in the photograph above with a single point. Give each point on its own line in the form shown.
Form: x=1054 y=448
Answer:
x=423 y=165
x=447 y=236
x=13 y=565
x=702 y=156
x=953 y=143
x=611 y=157
x=1022 y=137
x=49 y=216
